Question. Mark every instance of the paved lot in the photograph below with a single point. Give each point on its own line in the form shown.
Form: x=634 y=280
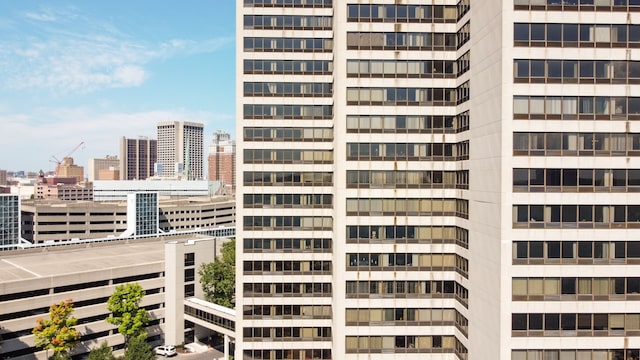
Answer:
x=210 y=354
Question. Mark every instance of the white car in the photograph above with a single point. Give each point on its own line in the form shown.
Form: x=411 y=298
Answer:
x=166 y=350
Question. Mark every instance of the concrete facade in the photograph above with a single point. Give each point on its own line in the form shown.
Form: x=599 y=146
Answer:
x=182 y=279
x=118 y=190
x=96 y=166
x=67 y=168
x=180 y=142
x=137 y=158
x=109 y=174
x=54 y=221
x=32 y=280
x=472 y=165
x=222 y=160
x=62 y=188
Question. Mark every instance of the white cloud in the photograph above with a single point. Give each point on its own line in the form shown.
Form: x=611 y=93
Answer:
x=68 y=53
x=130 y=75
x=40 y=16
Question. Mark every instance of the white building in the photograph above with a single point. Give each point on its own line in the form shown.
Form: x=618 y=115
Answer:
x=449 y=180
x=180 y=146
x=106 y=190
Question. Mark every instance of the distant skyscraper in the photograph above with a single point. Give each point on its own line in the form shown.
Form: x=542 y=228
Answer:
x=3 y=177
x=96 y=165
x=137 y=157
x=222 y=159
x=180 y=142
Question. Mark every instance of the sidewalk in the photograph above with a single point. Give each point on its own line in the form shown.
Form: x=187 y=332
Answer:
x=197 y=347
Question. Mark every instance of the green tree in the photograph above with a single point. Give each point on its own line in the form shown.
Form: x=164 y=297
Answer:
x=60 y=356
x=102 y=353
x=124 y=305
x=57 y=332
x=138 y=349
x=218 y=278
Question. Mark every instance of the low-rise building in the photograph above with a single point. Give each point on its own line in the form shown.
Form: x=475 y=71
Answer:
x=109 y=174
x=54 y=220
x=177 y=214
x=118 y=190
x=88 y=273
x=62 y=188
x=97 y=166
x=58 y=221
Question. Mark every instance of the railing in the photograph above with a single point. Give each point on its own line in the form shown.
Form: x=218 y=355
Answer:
x=222 y=231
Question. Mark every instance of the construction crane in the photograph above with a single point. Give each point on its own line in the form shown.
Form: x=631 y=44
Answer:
x=57 y=161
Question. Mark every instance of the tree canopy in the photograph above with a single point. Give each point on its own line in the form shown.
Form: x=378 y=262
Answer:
x=218 y=278
x=138 y=349
x=102 y=353
x=57 y=332
x=124 y=305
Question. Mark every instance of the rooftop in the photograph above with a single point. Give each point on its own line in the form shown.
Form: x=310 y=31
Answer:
x=55 y=261
x=164 y=201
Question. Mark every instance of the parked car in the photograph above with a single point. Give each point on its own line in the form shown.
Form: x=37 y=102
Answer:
x=165 y=350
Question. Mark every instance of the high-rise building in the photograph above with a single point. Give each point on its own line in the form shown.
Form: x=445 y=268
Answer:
x=450 y=180
x=137 y=158
x=98 y=164
x=222 y=160
x=180 y=149
x=3 y=177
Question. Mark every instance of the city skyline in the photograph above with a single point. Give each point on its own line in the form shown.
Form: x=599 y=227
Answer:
x=125 y=67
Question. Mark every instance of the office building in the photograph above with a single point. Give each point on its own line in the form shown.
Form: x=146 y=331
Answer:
x=180 y=149
x=450 y=180
x=137 y=158
x=9 y=219
x=222 y=160
x=3 y=177
x=103 y=169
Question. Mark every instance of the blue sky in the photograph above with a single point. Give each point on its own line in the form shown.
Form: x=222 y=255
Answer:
x=93 y=71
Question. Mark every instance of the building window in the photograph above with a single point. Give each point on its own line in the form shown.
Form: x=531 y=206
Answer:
x=189 y=290
x=189 y=275
x=189 y=259
x=577 y=35
x=576 y=252
x=571 y=324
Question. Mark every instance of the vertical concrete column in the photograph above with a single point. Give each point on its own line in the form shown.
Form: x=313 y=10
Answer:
x=173 y=293
x=226 y=347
